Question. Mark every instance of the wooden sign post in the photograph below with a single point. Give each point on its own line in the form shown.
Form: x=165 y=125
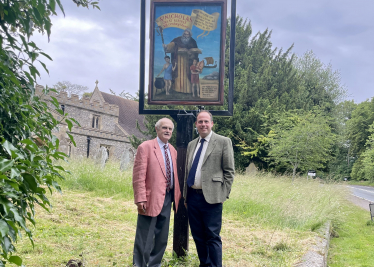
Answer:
x=171 y=74
x=185 y=126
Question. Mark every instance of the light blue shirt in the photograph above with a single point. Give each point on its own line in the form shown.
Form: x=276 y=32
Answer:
x=161 y=144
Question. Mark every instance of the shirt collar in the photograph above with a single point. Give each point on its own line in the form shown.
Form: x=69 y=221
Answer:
x=160 y=143
x=207 y=138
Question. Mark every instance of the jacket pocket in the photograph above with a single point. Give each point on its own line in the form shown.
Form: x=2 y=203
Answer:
x=217 y=179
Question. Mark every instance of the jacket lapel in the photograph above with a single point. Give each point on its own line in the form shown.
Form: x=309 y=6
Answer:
x=210 y=148
x=159 y=156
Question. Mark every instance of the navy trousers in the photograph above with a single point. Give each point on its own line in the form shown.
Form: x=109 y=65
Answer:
x=151 y=236
x=205 y=223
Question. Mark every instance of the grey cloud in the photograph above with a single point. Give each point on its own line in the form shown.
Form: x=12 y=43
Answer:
x=338 y=31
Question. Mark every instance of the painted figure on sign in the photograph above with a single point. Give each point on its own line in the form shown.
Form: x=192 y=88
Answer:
x=184 y=41
x=195 y=71
x=183 y=49
x=186 y=30
x=168 y=68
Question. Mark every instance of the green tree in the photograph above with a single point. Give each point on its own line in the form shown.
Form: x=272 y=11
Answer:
x=341 y=164
x=363 y=168
x=320 y=84
x=358 y=126
x=301 y=141
x=262 y=75
x=28 y=149
x=87 y=94
x=70 y=88
x=368 y=159
x=359 y=134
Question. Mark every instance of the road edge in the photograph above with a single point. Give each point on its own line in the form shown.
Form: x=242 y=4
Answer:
x=317 y=254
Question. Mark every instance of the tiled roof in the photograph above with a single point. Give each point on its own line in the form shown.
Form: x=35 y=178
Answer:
x=128 y=114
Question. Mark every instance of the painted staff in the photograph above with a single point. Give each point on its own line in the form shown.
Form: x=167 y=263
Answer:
x=159 y=30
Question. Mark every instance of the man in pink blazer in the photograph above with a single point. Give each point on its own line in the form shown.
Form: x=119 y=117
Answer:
x=156 y=186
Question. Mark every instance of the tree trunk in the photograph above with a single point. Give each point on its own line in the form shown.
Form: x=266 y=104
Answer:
x=294 y=172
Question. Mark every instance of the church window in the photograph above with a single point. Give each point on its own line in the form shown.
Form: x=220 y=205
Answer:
x=95 y=121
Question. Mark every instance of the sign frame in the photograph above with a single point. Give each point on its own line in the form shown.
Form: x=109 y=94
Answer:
x=175 y=112
x=179 y=87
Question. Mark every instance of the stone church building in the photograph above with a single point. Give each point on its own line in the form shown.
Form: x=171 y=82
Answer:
x=105 y=120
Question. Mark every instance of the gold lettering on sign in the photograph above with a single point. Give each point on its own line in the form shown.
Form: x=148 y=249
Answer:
x=198 y=18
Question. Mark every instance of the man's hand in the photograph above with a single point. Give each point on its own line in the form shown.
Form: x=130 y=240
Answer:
x=142 y=207
x=185 y=204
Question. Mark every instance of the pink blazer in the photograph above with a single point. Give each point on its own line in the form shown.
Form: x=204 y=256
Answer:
x=149 y=177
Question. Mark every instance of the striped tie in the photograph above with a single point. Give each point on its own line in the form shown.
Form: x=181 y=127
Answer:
x=168 y=171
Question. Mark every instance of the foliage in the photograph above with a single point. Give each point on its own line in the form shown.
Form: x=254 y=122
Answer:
x=359 y=135
x=321 y=84
x=358 y=126
x=342 y=160
x=126 y=95
x=269 y=82
x=70 y=88
x=303 y=141
x=363 y=169
x=28 y=147
x=86 y=94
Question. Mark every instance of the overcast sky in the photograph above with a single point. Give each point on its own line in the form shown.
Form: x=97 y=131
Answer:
x=89 y=45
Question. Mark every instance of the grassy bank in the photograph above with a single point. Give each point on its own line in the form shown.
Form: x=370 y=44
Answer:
x=268 y=221
x=353 y=241
x=364 y=183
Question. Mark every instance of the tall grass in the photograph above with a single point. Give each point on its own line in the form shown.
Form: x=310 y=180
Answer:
x=353 y=241
x=108 y=182
x=264 y=198
x=277 y=200
x=266 y=222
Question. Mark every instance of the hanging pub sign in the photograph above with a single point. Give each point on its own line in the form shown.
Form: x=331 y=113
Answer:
x=187 y=52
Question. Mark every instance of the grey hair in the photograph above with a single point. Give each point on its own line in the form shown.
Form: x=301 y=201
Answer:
x=189 y=31
x=158 y=123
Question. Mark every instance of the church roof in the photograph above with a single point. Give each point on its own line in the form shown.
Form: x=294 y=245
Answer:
x=128 y=114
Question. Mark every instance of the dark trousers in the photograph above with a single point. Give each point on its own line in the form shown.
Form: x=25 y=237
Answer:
x=151 y=236
x=205 y=223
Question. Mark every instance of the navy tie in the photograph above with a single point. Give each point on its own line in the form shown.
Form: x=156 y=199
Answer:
x=192 y=173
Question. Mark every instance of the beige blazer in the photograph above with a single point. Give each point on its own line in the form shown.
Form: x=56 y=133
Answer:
x=149 y=177
x=217 y=170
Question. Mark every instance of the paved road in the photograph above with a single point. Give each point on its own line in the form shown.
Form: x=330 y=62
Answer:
x=364 y=192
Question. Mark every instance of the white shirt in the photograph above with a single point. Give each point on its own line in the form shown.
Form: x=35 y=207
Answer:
x=198 y=183
x=161 y=144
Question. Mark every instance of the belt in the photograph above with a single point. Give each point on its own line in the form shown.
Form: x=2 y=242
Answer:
x=196 y=191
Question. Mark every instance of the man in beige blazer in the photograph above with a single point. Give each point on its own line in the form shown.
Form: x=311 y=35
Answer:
x=156 y=186
x=209 y=175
